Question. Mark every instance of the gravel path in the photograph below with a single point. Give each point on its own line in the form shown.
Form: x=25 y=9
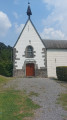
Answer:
x=48 y=91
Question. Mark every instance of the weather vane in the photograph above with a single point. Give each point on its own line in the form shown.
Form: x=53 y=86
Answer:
x=28 y=2
x=29 y=13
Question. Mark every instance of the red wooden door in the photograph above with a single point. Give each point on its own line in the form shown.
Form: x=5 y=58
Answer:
x=30 y=71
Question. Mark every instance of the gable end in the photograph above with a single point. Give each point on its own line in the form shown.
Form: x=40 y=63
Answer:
x=23 y=30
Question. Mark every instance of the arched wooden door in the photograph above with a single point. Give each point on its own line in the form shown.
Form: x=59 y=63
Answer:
x=30 y=69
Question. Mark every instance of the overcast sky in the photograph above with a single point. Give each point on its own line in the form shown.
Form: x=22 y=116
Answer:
x=48 y=16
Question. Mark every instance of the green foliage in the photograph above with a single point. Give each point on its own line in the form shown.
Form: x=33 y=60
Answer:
x=61 y=73
x=6 y=69
x=6 y=65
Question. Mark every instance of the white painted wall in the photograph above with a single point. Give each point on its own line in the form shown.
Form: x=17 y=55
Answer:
x=29 y=34
x=55 y=57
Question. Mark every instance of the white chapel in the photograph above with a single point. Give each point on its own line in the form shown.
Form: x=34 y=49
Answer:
x=35 y=57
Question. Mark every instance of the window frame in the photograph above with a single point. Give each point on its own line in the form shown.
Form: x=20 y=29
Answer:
x=29 y=52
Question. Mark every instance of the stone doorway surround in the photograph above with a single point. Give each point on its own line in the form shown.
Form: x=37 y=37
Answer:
x=28 y=61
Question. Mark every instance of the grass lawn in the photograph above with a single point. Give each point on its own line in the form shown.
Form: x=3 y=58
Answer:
x=33 y=94
x=15 y=105
x=63 y=100
x=4 y=79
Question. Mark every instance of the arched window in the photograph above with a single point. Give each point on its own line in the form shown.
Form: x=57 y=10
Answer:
x=29 y=52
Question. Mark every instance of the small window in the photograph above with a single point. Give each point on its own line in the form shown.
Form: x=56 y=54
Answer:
x=29 y=52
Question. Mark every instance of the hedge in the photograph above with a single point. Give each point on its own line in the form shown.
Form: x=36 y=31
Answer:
x=6 y=69
x=61 y=73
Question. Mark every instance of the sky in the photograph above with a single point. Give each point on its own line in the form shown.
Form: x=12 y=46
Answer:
x=48 y=16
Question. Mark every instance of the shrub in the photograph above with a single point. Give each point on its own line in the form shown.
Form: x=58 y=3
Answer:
x=61 y=72
x=6 y=55
x=6 y=68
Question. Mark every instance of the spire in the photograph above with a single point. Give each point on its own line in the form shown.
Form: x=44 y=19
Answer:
x=29 y=10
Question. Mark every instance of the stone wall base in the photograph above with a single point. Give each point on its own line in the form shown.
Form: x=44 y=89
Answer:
x=41 y=73
x=38 y=73
x=18 y=73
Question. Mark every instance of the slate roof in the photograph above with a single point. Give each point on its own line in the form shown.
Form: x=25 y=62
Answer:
x=55 y=44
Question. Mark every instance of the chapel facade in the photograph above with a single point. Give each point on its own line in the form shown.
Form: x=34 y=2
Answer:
x=34 y=57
